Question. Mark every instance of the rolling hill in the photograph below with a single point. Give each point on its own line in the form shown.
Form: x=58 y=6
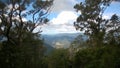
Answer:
x=62 y=40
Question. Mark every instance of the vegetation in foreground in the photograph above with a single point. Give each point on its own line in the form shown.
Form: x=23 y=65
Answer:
x=22 y=48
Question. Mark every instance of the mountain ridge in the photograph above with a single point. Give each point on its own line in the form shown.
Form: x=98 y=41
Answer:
x=62 y=40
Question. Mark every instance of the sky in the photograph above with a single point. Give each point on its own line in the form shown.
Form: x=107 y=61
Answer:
x=63 y=15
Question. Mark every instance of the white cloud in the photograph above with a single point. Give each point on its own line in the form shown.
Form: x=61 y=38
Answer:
x=107 y=16
x=64 y=17
x=63 y=23
x=63 y=5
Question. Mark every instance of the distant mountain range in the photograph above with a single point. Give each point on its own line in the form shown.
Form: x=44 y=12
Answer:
x=62 y=40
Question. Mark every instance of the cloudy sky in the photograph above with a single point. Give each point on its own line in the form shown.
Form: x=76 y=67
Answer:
x=63 y=15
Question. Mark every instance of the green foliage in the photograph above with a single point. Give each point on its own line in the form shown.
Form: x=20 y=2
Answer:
x=59 y=58
x=113 y=35
x=104 y=36
x=2 y=5
x=23 y=48
x=99 y=57
x=91 y=21
x=79 y=42
x=28 y=55
x=104 y=57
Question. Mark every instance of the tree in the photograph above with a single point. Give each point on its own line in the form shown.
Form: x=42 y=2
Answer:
x=22 y=48
x=58 y=59
x=101 y=32
x=13 y=13
x=102 y=57
x=91 y=20
x=113 y=34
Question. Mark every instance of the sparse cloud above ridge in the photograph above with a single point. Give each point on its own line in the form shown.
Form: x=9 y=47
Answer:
x=63 y=23
x=66 y=15
x=63 y=5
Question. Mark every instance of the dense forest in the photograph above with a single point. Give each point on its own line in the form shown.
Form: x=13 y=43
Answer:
x=21 y=47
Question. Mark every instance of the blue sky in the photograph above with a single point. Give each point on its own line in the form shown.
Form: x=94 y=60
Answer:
x=63 y=15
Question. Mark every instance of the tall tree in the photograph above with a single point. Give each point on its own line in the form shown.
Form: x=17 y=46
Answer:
x=91 y=20
x=14 y=12
x=18 y=19
x=113 y=34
